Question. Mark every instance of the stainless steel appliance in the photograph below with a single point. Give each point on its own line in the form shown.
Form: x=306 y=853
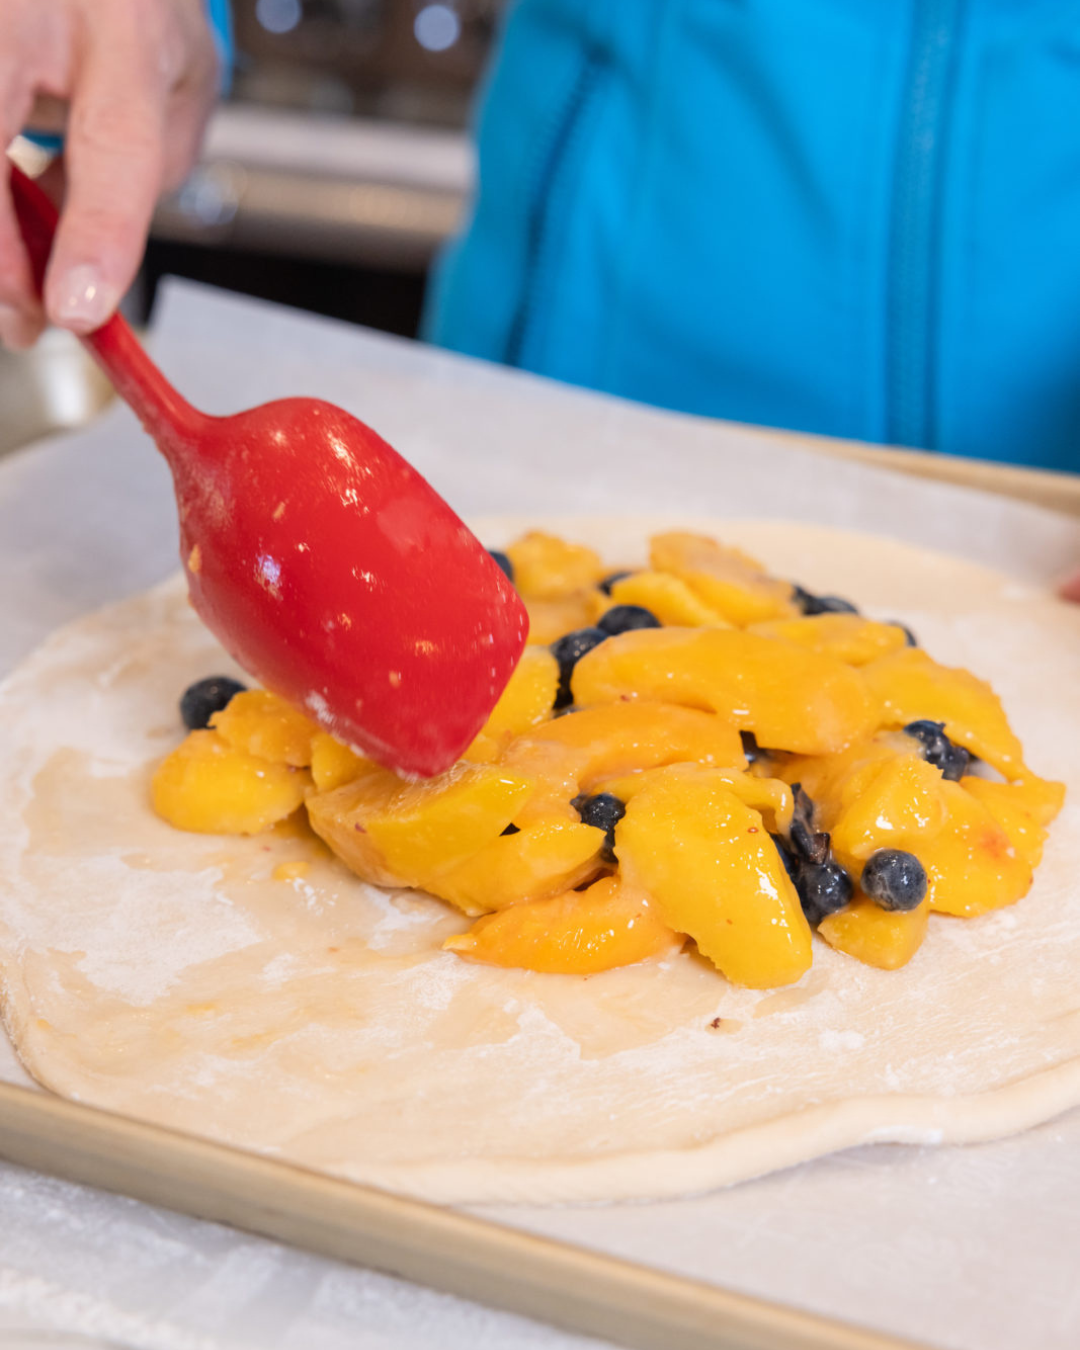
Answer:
x=342 y=146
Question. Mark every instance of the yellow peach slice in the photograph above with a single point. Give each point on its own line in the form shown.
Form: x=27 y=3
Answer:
x=1041 y=797
x=824 y=776
x=878 y=937
x=770 y=796
x=972 y=866
x=791 y=698
x=894 y=803
x=265 y=725
x=669 y=598
x=333 y=764
x=552 y=619
x=709 y=865
x=910 y=687
x=727 y=580
x=569 y=754
x=534 y=863
x=577 y=933
x=208 y=786
x=1017 y=808
x=549 y=568
x=397 y=833
x=847 y=637
x=526 y=700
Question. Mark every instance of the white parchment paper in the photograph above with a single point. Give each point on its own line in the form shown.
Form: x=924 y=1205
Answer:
x=970 y=1248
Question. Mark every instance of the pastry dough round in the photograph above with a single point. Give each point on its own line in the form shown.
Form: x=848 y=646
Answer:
x=169 y=977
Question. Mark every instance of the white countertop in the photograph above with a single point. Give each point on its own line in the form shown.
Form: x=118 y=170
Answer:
x=972 y=1248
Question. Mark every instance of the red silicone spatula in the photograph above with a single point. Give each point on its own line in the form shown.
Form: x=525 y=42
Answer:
x=320 y=559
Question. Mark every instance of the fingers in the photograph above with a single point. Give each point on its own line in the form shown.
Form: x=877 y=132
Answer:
x=114 y=159
x=140 y=78
x=194 y=94
x=19 y=328
x=20 y=311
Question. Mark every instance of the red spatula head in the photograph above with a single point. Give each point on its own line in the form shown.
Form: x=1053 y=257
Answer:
x=333 y=572
x=321 y=560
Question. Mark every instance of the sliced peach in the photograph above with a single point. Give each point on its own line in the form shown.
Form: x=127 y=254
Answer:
x=549 y=568
x=1018 y=808
x=669 y=598
x=577 y=933
x=823 y=776
x=569 y=754
x=911 y=686
x=878 y=937
x=789 y=697
x=265 y=725
x=333 y=764
x=211 y=787
x=770 y=796
x=972 y=865
x=526 y=700
x=397 y=833
x=551 y=619
x=538 y=861
x=1041 y=797
x=709 y=865
x=893 y=803
x=728 y=580
x=847 y=637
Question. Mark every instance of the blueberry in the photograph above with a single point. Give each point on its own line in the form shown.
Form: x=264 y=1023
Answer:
x=894 y=879
x=938 y=750
x=625 y=618
x=823 y=887
x=807 y=844
x=611 y=579
x=604 y=811
x=810 y=845
x=804 y=803
x=791 y=863
x=822 y=604
x=504 y=562
x=568 y=651
x=206 y=697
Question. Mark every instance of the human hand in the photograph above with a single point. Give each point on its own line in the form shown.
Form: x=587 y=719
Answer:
x=139 y=79
x=1070 y=589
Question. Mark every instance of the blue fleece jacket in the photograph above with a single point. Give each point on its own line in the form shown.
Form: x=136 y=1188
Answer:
x=861 y=219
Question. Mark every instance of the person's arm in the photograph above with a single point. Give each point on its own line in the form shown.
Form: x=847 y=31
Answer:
x=139 y=78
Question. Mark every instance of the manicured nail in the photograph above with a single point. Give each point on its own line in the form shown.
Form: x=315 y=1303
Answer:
x=83 y=299
x=1070 y=589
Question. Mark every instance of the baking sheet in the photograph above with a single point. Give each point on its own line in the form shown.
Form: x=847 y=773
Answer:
x=966 y=1248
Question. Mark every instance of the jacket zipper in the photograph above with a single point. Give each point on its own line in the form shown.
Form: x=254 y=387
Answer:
x=911 y=414
x=540 y=244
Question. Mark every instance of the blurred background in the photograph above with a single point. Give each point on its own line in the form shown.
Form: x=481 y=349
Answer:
x=336 y=168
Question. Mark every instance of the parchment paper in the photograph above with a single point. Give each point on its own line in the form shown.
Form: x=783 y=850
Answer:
x=969 y=1247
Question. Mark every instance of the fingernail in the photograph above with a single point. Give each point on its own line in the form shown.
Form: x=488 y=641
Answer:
x=83 y=299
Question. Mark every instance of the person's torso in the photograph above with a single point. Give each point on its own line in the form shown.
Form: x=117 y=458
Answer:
x=849 y=218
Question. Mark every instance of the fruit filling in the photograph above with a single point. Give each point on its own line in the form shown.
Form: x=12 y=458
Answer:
x=690 y=752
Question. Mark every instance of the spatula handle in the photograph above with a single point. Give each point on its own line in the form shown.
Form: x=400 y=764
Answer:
x=164 y=413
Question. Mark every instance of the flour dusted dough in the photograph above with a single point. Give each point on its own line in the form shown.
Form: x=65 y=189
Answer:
x=167 y=976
